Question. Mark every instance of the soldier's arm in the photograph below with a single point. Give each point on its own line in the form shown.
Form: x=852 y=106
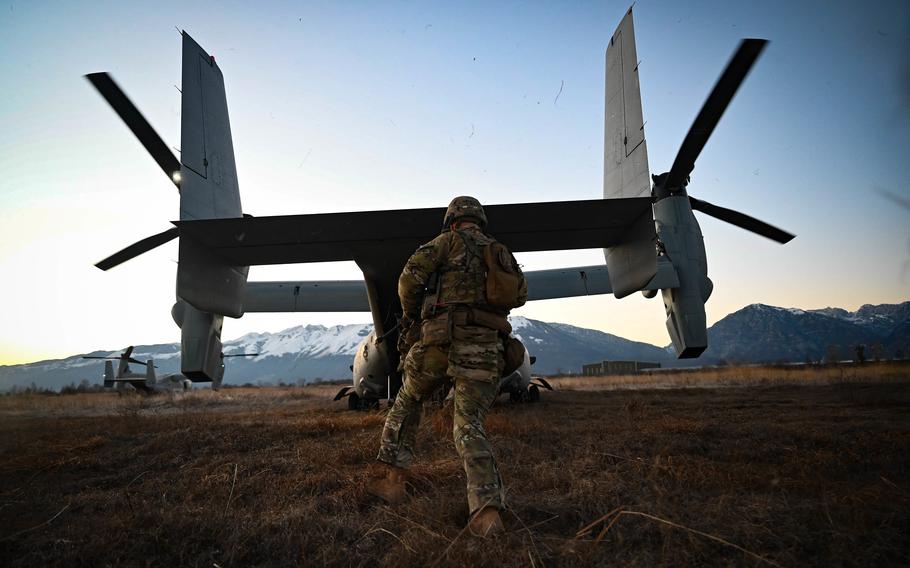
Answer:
x=424 y=262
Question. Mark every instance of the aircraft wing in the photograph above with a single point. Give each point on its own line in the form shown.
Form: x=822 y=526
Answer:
x=395 y=234
x=351 y=295
x=306 y=296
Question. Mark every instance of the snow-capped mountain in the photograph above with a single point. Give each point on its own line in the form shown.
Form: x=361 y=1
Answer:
x=313 y=352
x=562 y=348
x=883 y=318
x=762 y=333
x=756 y=333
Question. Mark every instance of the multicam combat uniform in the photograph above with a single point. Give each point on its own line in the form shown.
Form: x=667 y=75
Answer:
x=451 y=345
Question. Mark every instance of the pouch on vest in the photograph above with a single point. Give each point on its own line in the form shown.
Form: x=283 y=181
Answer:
x=435 y=331
x=514 y=355
x=506 y=284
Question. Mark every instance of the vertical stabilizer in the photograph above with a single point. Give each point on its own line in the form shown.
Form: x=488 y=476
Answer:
x=632 y=264
x=109 y=374
x=149 y=372
x=208 y=184
x=123 y=368
x=625 y=150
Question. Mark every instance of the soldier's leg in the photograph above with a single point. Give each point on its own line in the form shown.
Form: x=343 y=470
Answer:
x=472 y=401
x=475 y=361
x=424 y=372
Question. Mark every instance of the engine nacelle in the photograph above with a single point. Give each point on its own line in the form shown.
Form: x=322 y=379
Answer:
x=684 y=245
x=372 y=368
x=519 y=379
x=200 y=342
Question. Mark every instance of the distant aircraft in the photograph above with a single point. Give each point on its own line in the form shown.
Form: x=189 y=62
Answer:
x=644 y=224
x=149 y=382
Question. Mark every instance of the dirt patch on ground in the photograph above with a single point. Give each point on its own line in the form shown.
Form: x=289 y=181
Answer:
x=786 y=475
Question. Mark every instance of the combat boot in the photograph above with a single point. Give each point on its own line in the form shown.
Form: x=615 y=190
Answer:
x=391 y=487
x=486 y=523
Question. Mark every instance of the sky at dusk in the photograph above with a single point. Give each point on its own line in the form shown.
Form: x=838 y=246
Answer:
x=364 y=105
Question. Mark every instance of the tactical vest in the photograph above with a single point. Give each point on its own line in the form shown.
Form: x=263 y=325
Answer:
x=463 y=275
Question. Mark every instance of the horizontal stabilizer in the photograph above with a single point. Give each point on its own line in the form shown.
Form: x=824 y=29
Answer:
x=288 y=239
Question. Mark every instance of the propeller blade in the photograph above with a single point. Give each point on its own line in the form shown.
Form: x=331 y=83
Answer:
x=138 y=248
x=713 y=109
x=741 y=220
x=241 y=355
x=98 y=357
x=136 y=361
x=137 y=123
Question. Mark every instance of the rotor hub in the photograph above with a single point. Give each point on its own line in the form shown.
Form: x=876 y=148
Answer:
x=660 y=190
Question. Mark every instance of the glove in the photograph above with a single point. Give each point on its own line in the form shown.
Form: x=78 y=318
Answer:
x=408 y=335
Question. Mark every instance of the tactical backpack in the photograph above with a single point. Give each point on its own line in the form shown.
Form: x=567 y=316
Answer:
x=506 y=284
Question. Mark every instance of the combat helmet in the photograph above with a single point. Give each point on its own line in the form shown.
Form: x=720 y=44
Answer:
x=465 y=208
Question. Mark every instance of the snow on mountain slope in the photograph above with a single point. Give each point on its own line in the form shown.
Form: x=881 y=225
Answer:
x=304 y=353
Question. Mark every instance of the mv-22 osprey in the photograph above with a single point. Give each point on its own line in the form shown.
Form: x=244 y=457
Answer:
x=650 y=237
x=148 y=382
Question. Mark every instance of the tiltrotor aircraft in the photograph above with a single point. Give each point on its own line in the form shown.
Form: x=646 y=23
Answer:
x=148 y=382
x=650 y=237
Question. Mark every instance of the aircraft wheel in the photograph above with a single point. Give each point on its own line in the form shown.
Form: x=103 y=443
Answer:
x=534 y=393
x=353 y=401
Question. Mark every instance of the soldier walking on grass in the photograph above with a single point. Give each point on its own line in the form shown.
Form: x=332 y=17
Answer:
x=456 y=292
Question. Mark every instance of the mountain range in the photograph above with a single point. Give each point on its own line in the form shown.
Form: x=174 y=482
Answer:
x=755 y=334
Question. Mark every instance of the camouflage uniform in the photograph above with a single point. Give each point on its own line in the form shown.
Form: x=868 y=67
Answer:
x=450 y=347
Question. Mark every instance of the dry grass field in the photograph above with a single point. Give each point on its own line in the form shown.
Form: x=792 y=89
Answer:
x=782 y=471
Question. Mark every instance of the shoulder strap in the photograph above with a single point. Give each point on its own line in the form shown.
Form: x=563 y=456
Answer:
x=471 y=247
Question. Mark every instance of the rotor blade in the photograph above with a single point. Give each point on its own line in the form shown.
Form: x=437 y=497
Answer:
x=137 y=123
x=98 y=357
x=741 y=220
x=138 y=248
x=241 y=355
x=136 y=361
x=713 y=109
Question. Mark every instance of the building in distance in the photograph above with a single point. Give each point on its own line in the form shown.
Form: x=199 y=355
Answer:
x=617 y=367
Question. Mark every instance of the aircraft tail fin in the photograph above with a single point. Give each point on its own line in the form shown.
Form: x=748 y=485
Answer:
x=124 y=367
x=632 y=263
x=150 y=372
x=208 y=287
x=109 y=374
x=208 y=184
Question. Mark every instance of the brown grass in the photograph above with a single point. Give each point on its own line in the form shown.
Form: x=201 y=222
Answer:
x=741 y=375
x=781 y=474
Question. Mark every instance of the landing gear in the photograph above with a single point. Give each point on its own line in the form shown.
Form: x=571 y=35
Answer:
x=530 y=394
x=356 y=402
